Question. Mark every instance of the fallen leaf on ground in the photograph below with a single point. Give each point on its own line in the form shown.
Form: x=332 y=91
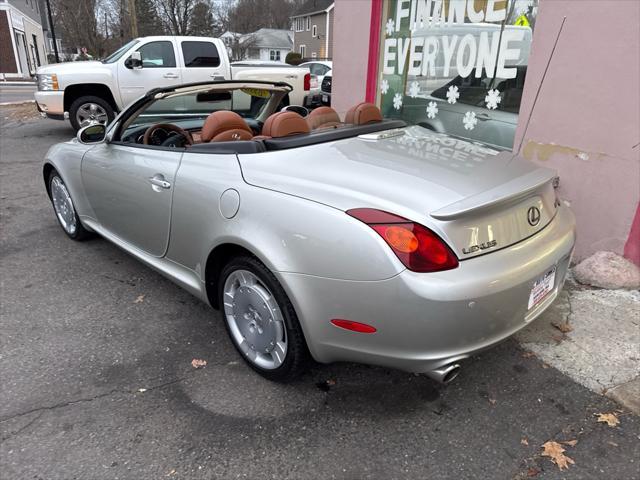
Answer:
x=571 y=443
x=613 y=444
x=197 y=363
x=555 y=451
x=545 y=365
x=609 y=418
x=524 y=441
x=533 y=472
x=492 y=401
x=564 y=327
x=172 y=472
x=331 y=382
x=140 y=299
x=142 y=390
x=528 y=354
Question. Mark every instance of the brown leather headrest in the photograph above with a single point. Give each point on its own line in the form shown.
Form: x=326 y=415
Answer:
x=323 y=117
x=221 y=121
x=283 y=124
x=234 y=135
x=363 y=113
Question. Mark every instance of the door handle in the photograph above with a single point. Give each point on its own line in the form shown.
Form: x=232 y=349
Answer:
x=483 y=116
x=158 y=183
x=170 y=75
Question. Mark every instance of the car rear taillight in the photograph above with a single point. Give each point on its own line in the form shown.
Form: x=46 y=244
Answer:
x=417 y=247
x=307 y=81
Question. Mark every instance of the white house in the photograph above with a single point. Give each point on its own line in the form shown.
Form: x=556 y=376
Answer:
x=268 y=44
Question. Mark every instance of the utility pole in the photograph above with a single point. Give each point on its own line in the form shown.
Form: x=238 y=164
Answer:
x=53 y=33
x=134 y=18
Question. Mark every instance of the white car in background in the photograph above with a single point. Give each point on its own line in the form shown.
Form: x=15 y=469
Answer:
x=318 y=70
x=93 y=91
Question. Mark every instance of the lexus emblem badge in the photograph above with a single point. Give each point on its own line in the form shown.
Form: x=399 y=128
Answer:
x=533 y=216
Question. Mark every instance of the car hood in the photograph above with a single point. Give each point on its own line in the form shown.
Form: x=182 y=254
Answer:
x=70 y=67
x=468 y=193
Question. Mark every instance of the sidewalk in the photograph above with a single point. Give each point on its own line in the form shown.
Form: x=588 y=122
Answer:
x=593 y=336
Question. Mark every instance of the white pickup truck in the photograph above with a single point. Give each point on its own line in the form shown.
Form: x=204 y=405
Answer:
x=95 y=91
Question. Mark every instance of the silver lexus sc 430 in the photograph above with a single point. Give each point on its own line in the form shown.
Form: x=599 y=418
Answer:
x=318 y=237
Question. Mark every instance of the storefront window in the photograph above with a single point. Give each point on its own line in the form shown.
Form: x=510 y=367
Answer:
x=456 y=66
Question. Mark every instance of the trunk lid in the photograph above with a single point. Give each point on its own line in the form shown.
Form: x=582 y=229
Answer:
x=476 y=198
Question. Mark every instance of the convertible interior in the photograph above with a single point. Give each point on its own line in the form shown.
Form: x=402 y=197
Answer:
x=264 y=122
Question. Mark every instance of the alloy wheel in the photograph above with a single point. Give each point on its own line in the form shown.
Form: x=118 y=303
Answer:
x=255 y=320
x=63 y=206
x=89 y=113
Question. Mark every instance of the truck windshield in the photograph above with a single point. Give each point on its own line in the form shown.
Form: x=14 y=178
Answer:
x=119 y=52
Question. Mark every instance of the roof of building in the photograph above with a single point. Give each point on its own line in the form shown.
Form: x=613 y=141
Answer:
x=313 y=6
x=272 y=38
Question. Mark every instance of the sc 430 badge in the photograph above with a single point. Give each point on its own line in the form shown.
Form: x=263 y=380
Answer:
x=480 y=246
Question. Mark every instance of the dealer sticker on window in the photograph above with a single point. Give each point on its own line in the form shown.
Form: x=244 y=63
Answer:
x=542 y=287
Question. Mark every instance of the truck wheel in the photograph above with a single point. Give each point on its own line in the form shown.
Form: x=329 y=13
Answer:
x=90 y=109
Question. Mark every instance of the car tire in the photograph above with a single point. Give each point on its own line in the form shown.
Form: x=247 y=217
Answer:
x=257 y=313
x=88 y=106
x=64 y=208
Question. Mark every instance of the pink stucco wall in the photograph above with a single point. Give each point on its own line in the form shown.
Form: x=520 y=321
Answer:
x=586 y=122
x=352 y=23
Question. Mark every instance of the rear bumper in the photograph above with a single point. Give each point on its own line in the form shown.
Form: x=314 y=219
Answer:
x=425 y=321
x=51 y=103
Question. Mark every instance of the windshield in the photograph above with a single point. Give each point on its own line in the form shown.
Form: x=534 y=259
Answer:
x=190 y=110
x=119 y=52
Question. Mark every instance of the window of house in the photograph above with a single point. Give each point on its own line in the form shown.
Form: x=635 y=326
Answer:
x=308 y=23
x=158 y=55
x=274 y=55
x=314 y=31
x=314 y=55
x=303 y=51
x=456 y=67
x=298 y=23
x=200 y=54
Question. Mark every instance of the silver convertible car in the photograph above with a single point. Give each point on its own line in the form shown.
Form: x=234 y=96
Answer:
x=335 y=239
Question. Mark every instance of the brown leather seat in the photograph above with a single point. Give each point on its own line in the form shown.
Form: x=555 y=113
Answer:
x=224 y=126
x=323 y=117
x=283 y=124
x=363 y=113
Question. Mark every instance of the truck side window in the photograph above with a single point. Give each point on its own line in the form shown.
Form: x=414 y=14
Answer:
x=200 y=54
x=158 y=55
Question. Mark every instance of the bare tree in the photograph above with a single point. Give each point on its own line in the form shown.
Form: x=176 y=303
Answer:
x=176 y=14
x=201 y=23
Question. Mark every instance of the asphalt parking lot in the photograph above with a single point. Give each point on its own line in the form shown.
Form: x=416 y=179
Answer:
x=97 y=382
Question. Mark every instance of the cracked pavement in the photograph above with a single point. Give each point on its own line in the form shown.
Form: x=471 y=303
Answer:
x=97 y=386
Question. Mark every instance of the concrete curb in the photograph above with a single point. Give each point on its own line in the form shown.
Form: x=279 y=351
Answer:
x=22 y=102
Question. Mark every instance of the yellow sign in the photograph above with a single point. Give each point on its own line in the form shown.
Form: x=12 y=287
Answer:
x=257 y=92
x=522 y=21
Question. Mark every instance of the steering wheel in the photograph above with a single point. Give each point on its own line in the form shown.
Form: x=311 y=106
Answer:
x=188 y=139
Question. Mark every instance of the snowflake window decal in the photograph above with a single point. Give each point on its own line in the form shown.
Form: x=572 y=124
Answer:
x=390 y=27
x=384 y=86
x=414 y=89
x=492 y=99
x=453 y=94
x=470 y=121
x=397 y=101
x=432 y=110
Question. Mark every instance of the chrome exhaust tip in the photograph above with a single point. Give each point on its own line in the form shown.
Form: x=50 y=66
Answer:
x=444 y=374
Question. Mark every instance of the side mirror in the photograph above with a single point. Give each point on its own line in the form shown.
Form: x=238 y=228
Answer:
x=134 y=61
x=91 y=134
